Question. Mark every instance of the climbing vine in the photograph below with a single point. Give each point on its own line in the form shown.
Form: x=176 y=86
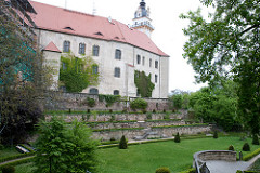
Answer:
x=144 y=83
x=78 y=73
x=109 y=99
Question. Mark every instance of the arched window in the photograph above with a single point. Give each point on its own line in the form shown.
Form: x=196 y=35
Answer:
x=82 y=48
x=117 y=72
x=96 y=49
x=116 y=92
x=66 y=46
x=93 y=91
x=118 y=54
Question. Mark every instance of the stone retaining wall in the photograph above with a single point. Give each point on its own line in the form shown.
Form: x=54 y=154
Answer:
x=130 y=134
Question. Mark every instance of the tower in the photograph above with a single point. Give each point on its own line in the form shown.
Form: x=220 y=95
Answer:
x=142 y=21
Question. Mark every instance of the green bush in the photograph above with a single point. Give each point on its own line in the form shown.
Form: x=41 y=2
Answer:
x=138 y=103
x=255 y=140
x=91 y=102
x=112 y=139
x=246 y=147
x=1 y=147
x=123 y=143
x=177 y=138
x=231 y=147
x=215 y=134
x=8 y=169
x=162 y=170
x=251 y=155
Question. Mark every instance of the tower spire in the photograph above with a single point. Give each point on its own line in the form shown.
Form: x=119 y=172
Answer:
x=142 y=21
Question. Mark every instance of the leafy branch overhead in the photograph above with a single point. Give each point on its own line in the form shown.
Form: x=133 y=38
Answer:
x=78 y=73
x=228 y=47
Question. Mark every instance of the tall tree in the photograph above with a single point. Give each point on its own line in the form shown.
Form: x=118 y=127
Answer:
x=228 y=46
x=21 y=75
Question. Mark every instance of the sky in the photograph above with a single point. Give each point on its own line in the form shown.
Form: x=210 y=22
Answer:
x=168 y=34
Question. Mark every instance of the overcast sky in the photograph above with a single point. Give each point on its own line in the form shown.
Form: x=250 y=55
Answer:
x=168 y=34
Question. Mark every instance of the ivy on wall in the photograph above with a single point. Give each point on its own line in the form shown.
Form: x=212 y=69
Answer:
x=109 y=99
x=144 y=83
x=78 y=73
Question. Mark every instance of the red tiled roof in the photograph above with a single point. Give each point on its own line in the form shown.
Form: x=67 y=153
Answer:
x=52 y=47
x=57 y=19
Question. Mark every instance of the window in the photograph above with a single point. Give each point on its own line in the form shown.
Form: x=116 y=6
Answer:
x=64 y=66
x=82 y=48
x=66 y=46
x=116 y=92
x=150 y=62
x=137 y=92
x=95 y=69
x=143 y=60
x=138 y=59
x=93 y=91
x=117 y=72
x=155 y=78
x=96 y=49
x=156 y=64
x=118 y=54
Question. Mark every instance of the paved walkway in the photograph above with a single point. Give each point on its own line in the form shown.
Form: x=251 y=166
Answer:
x=217 y=166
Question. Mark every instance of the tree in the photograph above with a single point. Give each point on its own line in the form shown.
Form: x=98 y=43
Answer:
x=123 y=143
x=21 y=76
x=78 y=73
x=177 y=101
x=228 y=47
x=65 y=148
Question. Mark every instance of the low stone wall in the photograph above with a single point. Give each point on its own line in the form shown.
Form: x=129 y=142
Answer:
x=130 y=134
x=200 y=158
x=77 y=101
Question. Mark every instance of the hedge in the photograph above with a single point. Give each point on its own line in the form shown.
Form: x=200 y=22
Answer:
x=163 y=120
x=26 y=160
x=101 y=122
x=3 y=159
x=192 y=170
x=183 y=125
x=251 y=155
x=109 y=130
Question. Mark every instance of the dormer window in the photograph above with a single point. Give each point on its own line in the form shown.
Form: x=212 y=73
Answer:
x=99 y=33
x=69 y=28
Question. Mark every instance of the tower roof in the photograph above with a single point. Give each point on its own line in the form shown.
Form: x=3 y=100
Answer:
x=56 y=19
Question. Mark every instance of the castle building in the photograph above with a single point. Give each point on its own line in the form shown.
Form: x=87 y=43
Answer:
x=118 y=49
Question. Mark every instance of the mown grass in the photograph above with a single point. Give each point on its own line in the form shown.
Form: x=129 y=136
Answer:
x=10 y=151
x=178 y=157
x=146 y=158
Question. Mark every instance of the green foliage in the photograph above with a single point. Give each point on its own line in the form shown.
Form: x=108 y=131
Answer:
x=123 y=143
x=177 y=101
x=230 y=39
x=162 y=170
x=246 y=147
x=231 y=147
x=138 y=103
x=177 y=138
x=8 y=169
x=255 y=139
x=144 y=83
x=251 y=155
x=65 y=148
x=193 y=170
x=215 y=134
x=109 y=99
x=91 y=102
x=77 y=73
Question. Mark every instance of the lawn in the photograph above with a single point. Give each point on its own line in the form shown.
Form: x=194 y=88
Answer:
x=8 y=152
x=146 y=158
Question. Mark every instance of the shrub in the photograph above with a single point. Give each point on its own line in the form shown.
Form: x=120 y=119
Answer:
x=192 y=170
x=255 y=140
x=177 y=138
x=8 y=169
x=149 y=117
x=162 y=170
x=123 y=143
x=1 y=147
x=215 y=134
x=138 y=103
x=246 y=147
x=112 y=139
x=231 y=147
